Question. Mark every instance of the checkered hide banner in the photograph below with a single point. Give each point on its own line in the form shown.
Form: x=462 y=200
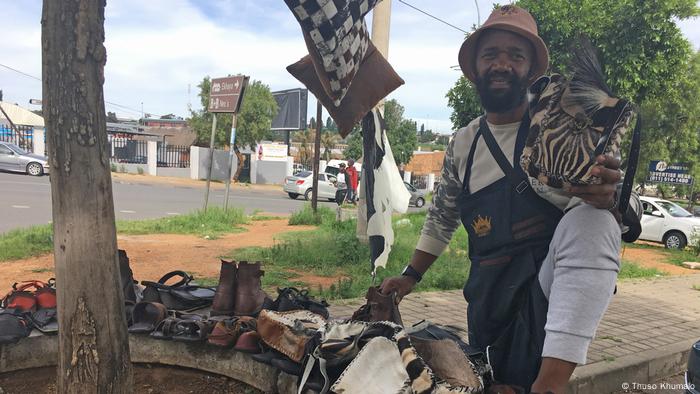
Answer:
x=340 y=36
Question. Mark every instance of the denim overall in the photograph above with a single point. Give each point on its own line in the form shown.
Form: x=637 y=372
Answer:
x=510 y=228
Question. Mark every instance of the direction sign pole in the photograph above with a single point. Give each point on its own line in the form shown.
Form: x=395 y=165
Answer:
x=211 y=160
x=230 y=166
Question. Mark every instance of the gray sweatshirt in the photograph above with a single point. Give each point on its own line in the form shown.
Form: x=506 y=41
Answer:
x=577 y=279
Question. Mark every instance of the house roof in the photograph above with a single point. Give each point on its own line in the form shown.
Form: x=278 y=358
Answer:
x=20 y=116
x=423 y=163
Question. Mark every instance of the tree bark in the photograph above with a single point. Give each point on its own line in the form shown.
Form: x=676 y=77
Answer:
x=93 y=342
x=239 y=166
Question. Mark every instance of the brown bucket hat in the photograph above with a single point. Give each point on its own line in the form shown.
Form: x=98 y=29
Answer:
x=513 y=19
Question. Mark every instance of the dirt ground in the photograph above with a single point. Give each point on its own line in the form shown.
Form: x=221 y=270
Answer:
x=148 y=379
x=152 y=256
x=653 y=258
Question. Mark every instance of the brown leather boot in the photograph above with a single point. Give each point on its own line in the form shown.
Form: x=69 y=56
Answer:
x=379 y=307
x=249 y=294
x=225 y=297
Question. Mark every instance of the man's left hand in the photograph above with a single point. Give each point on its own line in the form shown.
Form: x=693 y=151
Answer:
x=601 y=196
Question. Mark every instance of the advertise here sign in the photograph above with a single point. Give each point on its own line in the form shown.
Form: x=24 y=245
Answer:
x=272 y=152
x=662 y=172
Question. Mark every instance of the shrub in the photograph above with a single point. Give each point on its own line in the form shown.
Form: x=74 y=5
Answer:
x=113 y=167
x=140 y=170
x=306 y=216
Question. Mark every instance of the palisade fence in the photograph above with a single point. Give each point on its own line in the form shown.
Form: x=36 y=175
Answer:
x=21 y=136
x=173 y=156
x=124 y=150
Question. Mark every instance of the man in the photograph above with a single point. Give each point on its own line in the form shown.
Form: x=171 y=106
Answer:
x=352 y=179
x=542 y=270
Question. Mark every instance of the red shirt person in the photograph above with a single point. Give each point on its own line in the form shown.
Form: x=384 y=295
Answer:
x=351 y=179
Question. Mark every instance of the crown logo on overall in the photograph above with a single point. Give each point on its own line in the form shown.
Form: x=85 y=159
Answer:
x=482 y=226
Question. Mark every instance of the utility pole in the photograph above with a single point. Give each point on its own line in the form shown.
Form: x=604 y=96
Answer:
x=381 y=21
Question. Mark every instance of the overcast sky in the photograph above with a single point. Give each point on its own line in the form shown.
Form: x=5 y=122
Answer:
x=159 y=50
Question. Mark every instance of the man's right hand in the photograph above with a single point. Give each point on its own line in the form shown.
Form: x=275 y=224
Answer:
x=402 y=285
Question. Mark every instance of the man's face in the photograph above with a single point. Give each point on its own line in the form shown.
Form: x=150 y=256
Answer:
x=503 y=64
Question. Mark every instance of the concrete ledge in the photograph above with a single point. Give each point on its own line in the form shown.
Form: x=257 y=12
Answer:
x=42 y=351
x=643 y=367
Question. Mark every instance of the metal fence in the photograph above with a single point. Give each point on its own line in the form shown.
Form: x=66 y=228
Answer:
x=124 y=150
x=21 y=136
x=173 y=156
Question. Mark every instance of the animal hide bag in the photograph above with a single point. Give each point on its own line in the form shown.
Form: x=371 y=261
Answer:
x=573 y=121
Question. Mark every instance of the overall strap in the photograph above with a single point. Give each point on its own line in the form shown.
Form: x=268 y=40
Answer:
x=470 y=162
x=517 y=178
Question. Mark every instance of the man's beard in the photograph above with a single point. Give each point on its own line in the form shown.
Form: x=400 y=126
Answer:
x=501 y=100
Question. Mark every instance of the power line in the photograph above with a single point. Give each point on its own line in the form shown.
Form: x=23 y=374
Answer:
x=123 y=107
x=434 y=17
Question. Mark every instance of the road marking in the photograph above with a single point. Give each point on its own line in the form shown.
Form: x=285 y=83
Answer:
x=127 y=211
x=20 y=206
x=172 y=213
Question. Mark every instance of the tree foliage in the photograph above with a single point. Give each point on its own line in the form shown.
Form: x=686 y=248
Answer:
x=401 y=132
x=465 y=103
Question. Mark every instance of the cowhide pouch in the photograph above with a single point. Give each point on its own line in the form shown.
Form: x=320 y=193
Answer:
x=573 y=121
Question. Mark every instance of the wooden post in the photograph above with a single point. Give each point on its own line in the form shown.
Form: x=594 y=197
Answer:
x=211 y=160
x=93 y=344
x=317 y=155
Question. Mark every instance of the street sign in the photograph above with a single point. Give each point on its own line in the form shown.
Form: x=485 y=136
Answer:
x=662 y=172
x=225 y=95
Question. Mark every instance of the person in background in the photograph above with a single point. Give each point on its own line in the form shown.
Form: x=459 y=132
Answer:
x=352 y=179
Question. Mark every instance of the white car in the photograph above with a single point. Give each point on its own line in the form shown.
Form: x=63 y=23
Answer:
x=667 y=222
x=301 y=185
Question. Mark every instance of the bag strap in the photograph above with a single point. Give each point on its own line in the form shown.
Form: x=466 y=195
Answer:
x=186 y=278
x=632 y=163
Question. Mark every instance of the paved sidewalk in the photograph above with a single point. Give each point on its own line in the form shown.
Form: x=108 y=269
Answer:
x=645 y=334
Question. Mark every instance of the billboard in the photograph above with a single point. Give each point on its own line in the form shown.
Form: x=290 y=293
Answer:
x=291 y=114
x=225 y=95
x=272 y=152
x=662 y=172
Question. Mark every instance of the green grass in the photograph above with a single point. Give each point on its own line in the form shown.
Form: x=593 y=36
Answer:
x=26 y=242
x=37 y=240
x=306 y=216
x=213 y=223
x=333 y=250
x=630 y=270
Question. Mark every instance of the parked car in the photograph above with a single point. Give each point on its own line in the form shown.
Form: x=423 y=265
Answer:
x=692 y=375
x=667 y=222
x=14 y=158
x=301 y=184
x=696 y=211
x=417 y=196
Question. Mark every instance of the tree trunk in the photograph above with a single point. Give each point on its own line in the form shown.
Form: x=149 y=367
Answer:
x=93 y=343
x=239 y=166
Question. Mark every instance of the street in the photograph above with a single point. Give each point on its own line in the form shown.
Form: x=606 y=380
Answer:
x=26 y=200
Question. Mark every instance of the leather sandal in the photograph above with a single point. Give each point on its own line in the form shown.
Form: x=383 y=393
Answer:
x=146 y=316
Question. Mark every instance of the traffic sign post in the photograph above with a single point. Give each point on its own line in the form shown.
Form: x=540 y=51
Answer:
x=225 y=96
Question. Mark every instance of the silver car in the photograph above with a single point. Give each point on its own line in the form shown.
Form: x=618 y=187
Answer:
x=14 y=158
x=417 y=196
x=301 y=184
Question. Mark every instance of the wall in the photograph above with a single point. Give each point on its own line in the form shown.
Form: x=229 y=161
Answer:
x=220 y=169
x=174 y=172
x=271 y=172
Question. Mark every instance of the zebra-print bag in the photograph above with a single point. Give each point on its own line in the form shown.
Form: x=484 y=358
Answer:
x=574 y=120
